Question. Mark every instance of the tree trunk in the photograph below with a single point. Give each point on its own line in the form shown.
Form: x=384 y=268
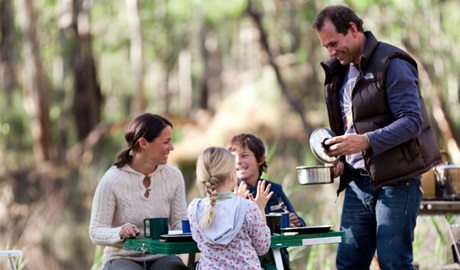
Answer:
x=293 y=27
x=37 y=85
x=185 y=81
x=88 y=97
x=204 y=86
x=211 y=83
x=137 y=55
x=8 y=78
x=257 y=18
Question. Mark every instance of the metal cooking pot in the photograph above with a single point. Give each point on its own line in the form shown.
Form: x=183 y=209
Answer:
x=447 y=181
x=318 y=174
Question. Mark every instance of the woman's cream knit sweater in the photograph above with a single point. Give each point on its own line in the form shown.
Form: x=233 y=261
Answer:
x=119 y=199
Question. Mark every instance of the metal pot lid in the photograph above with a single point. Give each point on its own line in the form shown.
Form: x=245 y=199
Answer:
x=317 y=139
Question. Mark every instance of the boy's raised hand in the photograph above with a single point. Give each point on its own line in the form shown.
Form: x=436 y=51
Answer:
x=263 y=195
x=241 y=190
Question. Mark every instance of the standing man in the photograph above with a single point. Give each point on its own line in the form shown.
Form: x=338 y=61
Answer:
x=384 y=139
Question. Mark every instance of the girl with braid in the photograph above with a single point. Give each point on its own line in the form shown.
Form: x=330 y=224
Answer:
x=231 y=232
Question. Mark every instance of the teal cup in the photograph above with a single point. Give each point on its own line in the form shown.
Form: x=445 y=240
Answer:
x=155 y=227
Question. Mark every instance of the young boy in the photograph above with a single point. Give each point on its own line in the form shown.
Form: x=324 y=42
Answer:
x=249 y=153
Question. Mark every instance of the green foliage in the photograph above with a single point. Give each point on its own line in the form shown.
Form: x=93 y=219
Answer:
x=106 y=151
x=360 y=6
x=218 y=11
x=97 y=265
x=14 y=128
x=451 y=19
x=438 y=230
x=308 y=14
x=269 y=156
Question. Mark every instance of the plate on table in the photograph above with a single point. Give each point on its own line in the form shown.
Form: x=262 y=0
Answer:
x=308 y=229
x=183 y=237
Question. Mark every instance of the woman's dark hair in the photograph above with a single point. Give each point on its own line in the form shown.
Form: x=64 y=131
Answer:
x=253 y=143
x=147 y=126
x=340 y=16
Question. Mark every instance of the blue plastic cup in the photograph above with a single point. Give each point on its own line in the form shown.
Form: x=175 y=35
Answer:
x=285 y=221
x=185 y=226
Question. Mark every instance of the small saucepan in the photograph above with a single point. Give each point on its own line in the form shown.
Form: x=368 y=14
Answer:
x=318 y=174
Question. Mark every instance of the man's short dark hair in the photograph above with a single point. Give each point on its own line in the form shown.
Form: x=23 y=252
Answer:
x=340 y=16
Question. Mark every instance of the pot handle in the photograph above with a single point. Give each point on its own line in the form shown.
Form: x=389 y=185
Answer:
x=435 y=169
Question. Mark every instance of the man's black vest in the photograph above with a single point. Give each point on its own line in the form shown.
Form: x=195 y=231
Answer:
x=371 y=111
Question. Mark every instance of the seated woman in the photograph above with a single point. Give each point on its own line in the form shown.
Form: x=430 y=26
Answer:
x=140 y=185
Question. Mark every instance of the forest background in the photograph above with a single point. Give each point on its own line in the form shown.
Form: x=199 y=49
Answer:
x=74 y=72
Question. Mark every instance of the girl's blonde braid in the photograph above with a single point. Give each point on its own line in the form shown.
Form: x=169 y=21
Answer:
x=210 y=187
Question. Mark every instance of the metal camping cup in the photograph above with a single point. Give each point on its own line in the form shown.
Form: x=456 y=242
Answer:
x=156 y=227
x=274 y=222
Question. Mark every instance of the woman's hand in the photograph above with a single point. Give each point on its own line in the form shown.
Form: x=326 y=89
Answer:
x=241 y=190
x=263 y=195
x=129 y=231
